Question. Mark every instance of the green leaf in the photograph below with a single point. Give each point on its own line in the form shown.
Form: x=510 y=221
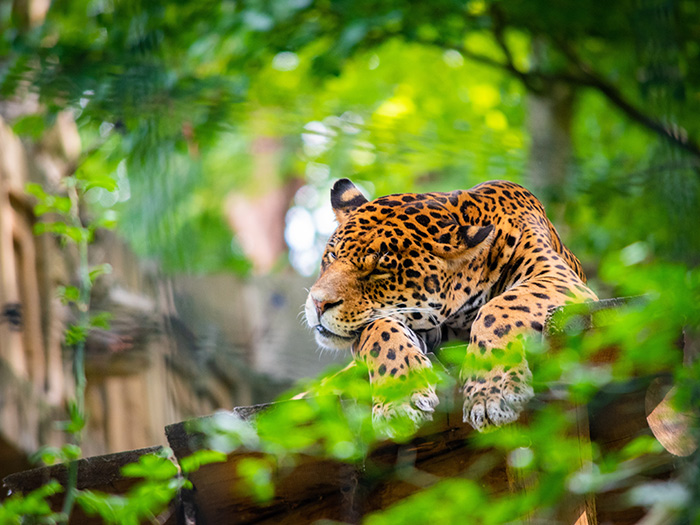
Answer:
x=109 y=507
x=108 y=221
x=49 y=203
x=32 y=126
x=58 y=228
x=19 y=508
x=71 y=451
x=226 y=432
x=48 y=455
x=192 y=462
x=152 y=467
x=42 y=209
x=60 y=204
x=68 y=294
x=101 y=320
x=53 y=455
x=78 y=234
x=100 y=269
x=75 y=334
x=77 y=418
x=257 y=473
x=36 y=189
x=641 y=446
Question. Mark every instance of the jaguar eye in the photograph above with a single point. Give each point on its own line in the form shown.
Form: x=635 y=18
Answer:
x=378 y=273
x=327 y=259
x=380 y=267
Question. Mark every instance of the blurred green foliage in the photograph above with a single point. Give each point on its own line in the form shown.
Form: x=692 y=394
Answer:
x=31 y=507
x=63 y=216
x=402 y=96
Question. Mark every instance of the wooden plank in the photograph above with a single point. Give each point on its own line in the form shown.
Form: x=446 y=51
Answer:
x=580 y=509
x=102 y=473
x=618 y=415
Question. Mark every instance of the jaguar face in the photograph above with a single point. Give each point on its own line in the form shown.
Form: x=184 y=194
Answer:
x=361 y=283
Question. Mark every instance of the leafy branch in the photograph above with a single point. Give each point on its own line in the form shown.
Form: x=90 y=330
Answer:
x=68 y=224
x=161 y=478
x=587 y=77
x=584 y=75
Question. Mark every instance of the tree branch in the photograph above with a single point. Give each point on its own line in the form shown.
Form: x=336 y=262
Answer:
x=535 y=81
x=528 y=79
x=676 y=135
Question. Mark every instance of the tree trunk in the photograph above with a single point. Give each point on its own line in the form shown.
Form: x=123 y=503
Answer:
x=549 y=120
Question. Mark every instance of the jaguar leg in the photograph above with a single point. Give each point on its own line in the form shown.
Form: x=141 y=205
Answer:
x=400 y=373
x=496 y=374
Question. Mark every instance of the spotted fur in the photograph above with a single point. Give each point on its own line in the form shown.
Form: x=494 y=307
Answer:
x=405 y=272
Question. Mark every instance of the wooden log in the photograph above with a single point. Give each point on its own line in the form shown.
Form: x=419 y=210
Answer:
x=673 y=428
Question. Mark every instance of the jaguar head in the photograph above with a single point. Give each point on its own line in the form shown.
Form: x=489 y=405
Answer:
x=404 y=256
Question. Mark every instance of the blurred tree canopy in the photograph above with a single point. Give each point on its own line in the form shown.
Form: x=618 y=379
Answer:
x=169 y=96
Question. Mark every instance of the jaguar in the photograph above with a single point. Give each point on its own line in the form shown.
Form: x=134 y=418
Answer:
x=404 y=273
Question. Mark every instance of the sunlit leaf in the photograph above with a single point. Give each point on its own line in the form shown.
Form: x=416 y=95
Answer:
x=32 y=126
x=68 y=294
x=98 y=270
x=151 y=466
x=200 y=458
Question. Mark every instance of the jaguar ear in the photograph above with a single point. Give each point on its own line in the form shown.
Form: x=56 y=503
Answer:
x=345 y=198
x=475 y=235
x=460 y=240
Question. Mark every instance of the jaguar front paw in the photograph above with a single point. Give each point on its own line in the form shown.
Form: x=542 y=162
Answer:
x=397 y=417
x=496 y=398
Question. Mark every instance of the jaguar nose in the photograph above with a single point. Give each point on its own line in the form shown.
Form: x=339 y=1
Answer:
x=322 y=305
